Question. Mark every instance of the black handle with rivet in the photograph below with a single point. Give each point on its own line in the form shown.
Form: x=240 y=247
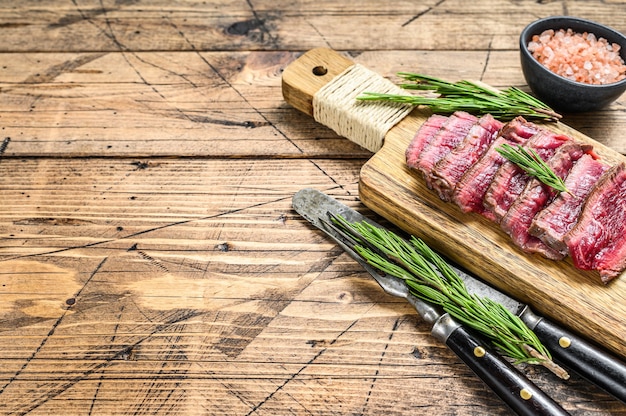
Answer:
x=513 y=387
x=580 y=356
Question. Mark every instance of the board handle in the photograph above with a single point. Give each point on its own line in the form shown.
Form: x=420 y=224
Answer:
x=305 y=76
x=327 y=85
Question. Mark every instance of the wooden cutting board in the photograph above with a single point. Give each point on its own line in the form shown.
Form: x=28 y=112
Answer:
x=575 y=298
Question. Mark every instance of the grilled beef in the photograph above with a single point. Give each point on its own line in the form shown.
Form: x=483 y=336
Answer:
x=457 y=157
x=558 y=218
x=449 y=170
x=598 y=240
x=536 y=195
x=448 y=137
x=470 y=189
x=510 y=180
x=424 y=135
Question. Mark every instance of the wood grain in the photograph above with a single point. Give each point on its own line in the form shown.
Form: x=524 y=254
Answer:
x=558 y=290
x=156 y=293
x=110 y=25
x=150 y=261
x=208 y=104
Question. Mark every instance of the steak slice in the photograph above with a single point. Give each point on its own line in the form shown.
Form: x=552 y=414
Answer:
x=422 y=138
x=534 y=198
x=470 y=189
x=449 y=170
x=510 y=180
x=598 y=240
x=447 y=138
x=558 y=218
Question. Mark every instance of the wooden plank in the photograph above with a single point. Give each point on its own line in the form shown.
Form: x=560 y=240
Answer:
x=174 y=286
x=558 y=290
x=278 y=25
x=208 y=104
x=150 y=261
x=155 y=104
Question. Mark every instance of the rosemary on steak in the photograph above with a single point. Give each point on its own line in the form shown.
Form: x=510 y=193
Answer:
x=430 y=278
x=470 y=96
x=529 y=161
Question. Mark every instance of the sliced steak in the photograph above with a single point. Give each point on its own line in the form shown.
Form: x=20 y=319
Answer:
x=510 y=180
x=447 y=138
x=535 y=196
x=422 y=138
x=470 y=189
x=449 y=170
x=554 y=221
x=598 y=240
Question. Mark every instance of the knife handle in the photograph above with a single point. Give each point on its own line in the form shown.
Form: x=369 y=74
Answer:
x=589 y=361
x=517 y=391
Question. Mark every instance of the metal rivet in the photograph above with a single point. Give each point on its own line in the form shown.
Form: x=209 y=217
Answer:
x=565 y=342
x=525 y=394
x=479 y=351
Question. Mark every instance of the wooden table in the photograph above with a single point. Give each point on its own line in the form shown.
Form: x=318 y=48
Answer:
x=151 y=262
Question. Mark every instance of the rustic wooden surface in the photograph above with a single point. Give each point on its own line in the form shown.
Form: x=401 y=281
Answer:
x=150 y=259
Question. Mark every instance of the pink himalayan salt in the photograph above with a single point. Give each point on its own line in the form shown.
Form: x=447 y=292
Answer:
x=578 y=56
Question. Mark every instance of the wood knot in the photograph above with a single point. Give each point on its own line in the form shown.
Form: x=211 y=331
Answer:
x=223 y=247
x=345 y=297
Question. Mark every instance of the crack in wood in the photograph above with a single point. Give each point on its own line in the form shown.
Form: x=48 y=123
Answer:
x=396 y=324
x=418 y=15
x=4 y=145
x=51 y=332
x=146 y=231
x=295 y=374
x=176 y=317
x=246 y=328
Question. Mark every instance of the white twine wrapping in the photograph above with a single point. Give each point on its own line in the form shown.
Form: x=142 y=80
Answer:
x=364 y=122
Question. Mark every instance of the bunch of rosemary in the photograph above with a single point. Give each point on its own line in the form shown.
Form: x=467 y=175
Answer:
x=469 y=96
x=431 y=279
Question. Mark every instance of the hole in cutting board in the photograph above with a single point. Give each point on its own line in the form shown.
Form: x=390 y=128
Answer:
x=320 y=70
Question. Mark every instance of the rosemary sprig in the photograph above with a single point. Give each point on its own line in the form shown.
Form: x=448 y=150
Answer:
x=472 y=97
x=431 y=279
x=529 y=161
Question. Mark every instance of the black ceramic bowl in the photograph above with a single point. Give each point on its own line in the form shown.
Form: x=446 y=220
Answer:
x=560 y=93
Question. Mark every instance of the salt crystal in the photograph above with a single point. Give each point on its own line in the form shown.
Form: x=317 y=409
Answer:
x=583 y=57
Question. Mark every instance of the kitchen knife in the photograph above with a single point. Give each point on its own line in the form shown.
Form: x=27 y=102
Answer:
x=513 y=387
x=572 y=351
